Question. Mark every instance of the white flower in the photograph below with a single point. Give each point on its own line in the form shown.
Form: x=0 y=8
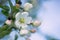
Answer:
x=24 y=32
x=22 y=19
x=8 y=22
x=27 y=6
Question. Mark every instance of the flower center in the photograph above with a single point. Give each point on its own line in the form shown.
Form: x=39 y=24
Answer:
x=22 y=20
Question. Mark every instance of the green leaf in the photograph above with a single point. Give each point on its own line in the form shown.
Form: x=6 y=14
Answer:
x=11 y=5
x=6 y=13
x=5 y=30
x=5 y=27
x=5 y=10
x=15 y=9
x=4 y=7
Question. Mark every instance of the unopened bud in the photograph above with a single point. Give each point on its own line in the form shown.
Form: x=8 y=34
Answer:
x=8 y=22
x=36 y=23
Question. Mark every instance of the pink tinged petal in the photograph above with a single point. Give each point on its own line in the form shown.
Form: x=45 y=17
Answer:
x=8 y=22
x=36 y=23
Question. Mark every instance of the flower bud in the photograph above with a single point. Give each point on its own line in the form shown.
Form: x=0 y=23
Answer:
x=17 y=5
x=33 y=30
x=8 y=22
x=24 y=32
x=27 y=6
x=36 y=23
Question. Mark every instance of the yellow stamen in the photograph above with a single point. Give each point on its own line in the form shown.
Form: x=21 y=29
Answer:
x=22 y=20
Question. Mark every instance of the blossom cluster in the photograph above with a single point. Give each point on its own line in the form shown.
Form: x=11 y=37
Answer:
x=23 y=21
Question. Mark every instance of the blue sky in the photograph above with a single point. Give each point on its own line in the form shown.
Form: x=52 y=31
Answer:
x=50 y=14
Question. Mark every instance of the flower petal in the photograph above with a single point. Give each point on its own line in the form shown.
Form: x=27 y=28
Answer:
x=21 y=15
x=24 y=32
x=24 y=26
x=17 y=15
x=17 y=24
x=28 y=20
x=25 y=13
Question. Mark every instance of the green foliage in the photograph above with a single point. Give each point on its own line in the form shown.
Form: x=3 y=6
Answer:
x=5 y=10
x=5 y=30
x=15 y=10
x=6 y=13
x=4 y=7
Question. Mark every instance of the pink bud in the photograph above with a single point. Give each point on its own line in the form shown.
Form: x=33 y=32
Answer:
x=8 y=22
x=33 y=30
x=36 y=23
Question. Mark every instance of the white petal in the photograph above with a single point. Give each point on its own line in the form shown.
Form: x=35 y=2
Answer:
x=24 y=32
x=28 y=5
x=24 y=26
x=25 y=13
x=28 y=20
x=17 y=14
x=21 y=15
x=17 y=24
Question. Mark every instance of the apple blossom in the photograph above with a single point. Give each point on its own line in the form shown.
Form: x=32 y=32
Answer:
x=22 y=19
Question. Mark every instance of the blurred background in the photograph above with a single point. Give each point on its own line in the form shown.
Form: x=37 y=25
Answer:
x=49 y=12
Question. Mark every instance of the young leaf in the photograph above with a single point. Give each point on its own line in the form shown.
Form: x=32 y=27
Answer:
x=11 y=6
x=5 y=30
x=6 y=13
x=5 y=27
x=4 y=7
x=5 y=10
x=4 y=33
x=15 y=9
